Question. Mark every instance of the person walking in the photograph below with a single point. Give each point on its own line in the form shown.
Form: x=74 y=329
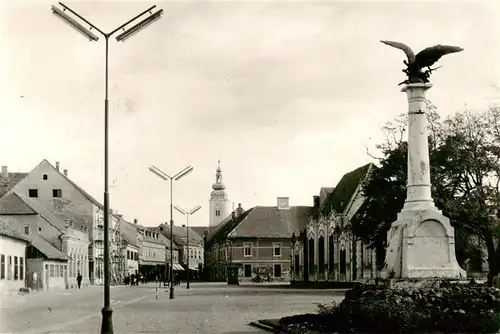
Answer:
x=79 y=280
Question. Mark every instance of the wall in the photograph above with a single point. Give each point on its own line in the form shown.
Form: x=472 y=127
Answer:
x=76 y=246
x=37 y=225
x=262 y=259
x=131 y=254
x=196 y=255
x=50 y=275
x=72 y=201
x=152 y=252
x=9 y=247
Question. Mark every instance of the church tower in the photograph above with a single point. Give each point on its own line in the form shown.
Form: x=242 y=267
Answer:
x=219 y=202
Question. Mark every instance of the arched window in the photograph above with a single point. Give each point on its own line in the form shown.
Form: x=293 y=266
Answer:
x=331 y=254
x=311 y=254
x=321 y=255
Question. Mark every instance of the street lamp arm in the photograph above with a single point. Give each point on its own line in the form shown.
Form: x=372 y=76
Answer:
x=159 y=173
x=193 y=210
x=183 y=173
x=82 y=18
x=180 y=210
x=133 y=19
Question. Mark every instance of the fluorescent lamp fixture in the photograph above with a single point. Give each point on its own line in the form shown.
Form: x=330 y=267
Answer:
x=84 y=31
x=183 y=173
x=179 y=210
x=193 y=210
x=143 y=24
x=159 y=173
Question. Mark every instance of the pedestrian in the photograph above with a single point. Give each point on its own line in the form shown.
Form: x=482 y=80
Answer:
x=79 y=280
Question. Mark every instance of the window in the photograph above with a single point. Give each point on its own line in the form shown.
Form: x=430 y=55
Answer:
x=16 y=268
x=45 y=177
x=248 y=270
x=27 y=230
x=9 y=267
x=56 y=193
x=33 y=193
x=51 y=270
x=2 y=266
x=217 y=213
x=248 y=250
x=331 y=253
x=277 y=250
x=321 y=255
x=277 y=270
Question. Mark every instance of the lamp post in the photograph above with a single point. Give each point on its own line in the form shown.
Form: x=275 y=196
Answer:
x=176 y=177
x=107 y=311
x=187 y=214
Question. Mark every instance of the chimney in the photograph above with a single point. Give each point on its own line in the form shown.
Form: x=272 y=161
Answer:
x=135 y=220
x=65 y=172
x=316 y=202
x=183 y=225
x=5 y=171
x=283 y=203
x=239 y=210
x=57 y=165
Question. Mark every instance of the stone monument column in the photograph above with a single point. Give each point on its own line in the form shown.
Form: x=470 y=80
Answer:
x=421 y=242
x=418 y=188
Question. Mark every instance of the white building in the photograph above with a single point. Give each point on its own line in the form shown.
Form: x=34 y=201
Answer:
x=219 y=201
x=12 y=259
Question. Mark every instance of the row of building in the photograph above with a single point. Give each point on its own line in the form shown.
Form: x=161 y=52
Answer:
x=62 y=228
x=51 y=230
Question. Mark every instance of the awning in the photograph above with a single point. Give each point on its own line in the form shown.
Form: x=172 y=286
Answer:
x=178 y=267
x=193 y=268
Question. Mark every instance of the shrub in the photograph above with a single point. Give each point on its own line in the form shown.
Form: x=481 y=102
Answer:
x=450 y=308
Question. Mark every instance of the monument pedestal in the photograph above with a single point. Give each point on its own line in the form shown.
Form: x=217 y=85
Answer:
x=421 y=242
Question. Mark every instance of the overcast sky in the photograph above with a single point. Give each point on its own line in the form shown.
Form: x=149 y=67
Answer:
x=286 y=95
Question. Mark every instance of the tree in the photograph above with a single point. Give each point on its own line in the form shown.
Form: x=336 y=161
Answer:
x=465 y=174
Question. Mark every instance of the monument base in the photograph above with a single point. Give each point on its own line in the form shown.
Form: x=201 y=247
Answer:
x=422 y=246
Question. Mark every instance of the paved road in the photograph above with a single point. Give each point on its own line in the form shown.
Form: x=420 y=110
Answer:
x=205 y=308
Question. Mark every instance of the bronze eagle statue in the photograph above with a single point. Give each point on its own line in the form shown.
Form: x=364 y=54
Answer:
x=424 y=59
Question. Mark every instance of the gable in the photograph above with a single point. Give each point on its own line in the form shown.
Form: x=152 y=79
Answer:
x=341 y=196
x=73 y=199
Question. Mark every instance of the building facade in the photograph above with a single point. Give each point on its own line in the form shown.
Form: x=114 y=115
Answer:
x=53 y=240
x=58 y=194
x=326 y=250
x=257 y=241
x=219 y=200
x=12 y=259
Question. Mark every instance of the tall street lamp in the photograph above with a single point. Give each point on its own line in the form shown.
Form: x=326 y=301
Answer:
x=176 y=177
x=187 y=214
x=107 y=311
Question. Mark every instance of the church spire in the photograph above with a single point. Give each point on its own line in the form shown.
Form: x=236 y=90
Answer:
x=218 y=185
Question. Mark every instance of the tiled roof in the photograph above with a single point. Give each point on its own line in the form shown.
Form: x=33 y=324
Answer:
x=323 y=194
x=12 y=204
x=180 y=234
x=221 y=231
x=165 y=231
x=78 y=221
x=345 y=189
x=162 y=240
x=129 y=232
x=7 y=183
x=7 y=230
x=51 y=218
x=271 y=222
x=201 y=229
x=47 y=249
